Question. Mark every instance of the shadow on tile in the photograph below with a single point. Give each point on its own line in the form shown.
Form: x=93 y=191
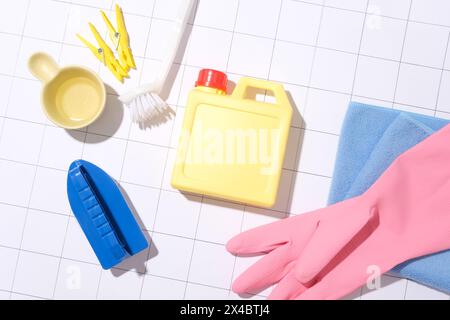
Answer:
x=139 y=261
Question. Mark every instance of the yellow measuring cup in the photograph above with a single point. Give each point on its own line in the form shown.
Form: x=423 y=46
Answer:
x=72 y=97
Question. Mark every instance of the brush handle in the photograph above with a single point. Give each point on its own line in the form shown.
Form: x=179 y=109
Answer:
x=173 y=44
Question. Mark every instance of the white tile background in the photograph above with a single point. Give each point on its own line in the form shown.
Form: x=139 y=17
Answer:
x=326 y=52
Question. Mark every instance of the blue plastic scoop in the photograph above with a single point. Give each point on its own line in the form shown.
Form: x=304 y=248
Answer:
x=103 y=214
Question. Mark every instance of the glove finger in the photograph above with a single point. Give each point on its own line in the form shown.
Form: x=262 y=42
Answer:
x=267 y=238
x=265 y=272
x=288 y=288
x=341 y=281
x=259 y=240
x=320 y=291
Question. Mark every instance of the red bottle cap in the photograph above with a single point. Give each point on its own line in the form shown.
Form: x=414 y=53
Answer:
x=212 y=79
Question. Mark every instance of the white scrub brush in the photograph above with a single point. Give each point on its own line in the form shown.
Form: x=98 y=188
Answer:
x=145 y=102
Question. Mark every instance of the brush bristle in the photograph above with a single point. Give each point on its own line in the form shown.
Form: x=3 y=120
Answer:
x=145 y=107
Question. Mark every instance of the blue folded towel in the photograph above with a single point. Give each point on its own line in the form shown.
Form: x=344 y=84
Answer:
x=371 y=139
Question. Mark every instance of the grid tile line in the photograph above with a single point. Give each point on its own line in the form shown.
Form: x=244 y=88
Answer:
x=442 y=75
x=356 y=70
x=168 y=148
x=401 y=55
x=1 y=136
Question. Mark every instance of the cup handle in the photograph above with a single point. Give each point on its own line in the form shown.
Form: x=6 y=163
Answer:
x=43 y=67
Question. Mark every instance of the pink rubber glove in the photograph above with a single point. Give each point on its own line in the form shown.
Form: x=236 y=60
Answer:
x=328 y=253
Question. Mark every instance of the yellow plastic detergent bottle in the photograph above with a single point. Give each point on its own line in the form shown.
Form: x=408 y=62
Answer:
x=232 y=146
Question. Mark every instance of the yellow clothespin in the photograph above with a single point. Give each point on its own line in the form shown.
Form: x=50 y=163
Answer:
x=121 y=39
x=105 y=54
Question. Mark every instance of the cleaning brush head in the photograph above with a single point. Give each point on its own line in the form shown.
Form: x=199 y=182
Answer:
x=145 y=107
x=145 y=102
